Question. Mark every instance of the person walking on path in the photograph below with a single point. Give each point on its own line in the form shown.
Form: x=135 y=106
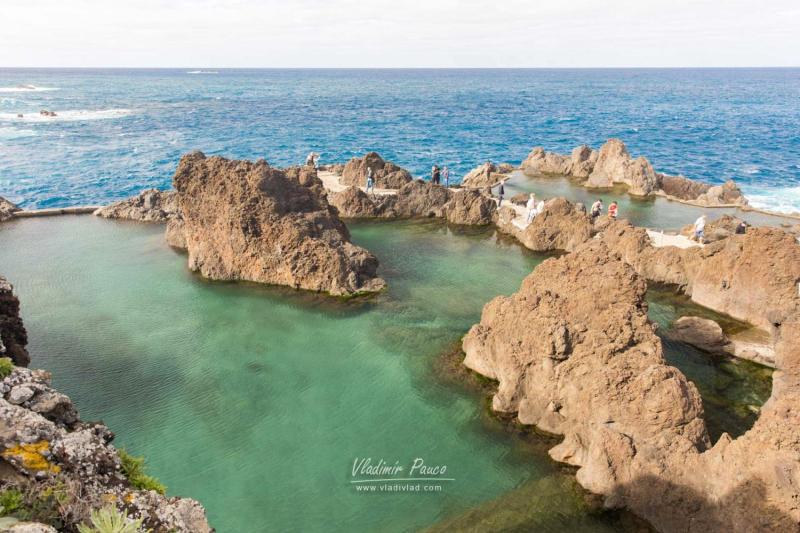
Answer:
x=446 y=176
x=370 y=181
x=500 y=192
x=597 y=209
x=612 y=210
x=531 y=206
x=700 y=229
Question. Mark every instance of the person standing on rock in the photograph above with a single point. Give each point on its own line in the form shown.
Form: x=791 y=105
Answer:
x=597 y=209
x=612 y=210
x=370 y=181
x=531 y=206
x=700 y=229
x=500 y=192
x=446 y=175
x=310 y=160
x=435 y=175
x=741 y=229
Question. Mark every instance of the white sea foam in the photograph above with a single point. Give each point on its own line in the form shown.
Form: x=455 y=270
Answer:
x=202 y=72
x=751 y=169
x=14 y=133
x=778 y=199
x=25 y=88
x=77 y=115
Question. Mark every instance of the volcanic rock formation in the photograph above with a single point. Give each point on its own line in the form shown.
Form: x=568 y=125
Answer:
x=151 y=205
x=7 y=209
x=612 y=164
x=561 y=226
x=248 y=221
x=386 y=174
x=13 y=337
x=486 y=175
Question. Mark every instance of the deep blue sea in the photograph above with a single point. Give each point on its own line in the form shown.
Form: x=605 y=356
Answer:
x=120 y=131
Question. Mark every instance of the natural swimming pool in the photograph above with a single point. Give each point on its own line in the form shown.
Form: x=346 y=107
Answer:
x=257 y=400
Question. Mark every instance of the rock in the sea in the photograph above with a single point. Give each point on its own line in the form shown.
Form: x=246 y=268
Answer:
x=151 y=205
x=615 y=165
x=249 y=221
x=574 y=354
x=561 y=226
x=13 y=337
x=386 y=174
x=355 y=203
x=7 y=209
x=486 y=175
x=702 y=333
x=420 y=199
x=541 y=162
x=470 y=207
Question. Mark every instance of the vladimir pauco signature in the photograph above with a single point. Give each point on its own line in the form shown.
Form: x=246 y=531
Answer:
x=369 y=475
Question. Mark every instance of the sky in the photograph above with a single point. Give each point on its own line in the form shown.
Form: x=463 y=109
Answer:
x=399 y=33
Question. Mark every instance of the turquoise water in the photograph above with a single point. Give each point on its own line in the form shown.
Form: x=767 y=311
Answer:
x=120 y=131
x=653 y=212
x=257 y=400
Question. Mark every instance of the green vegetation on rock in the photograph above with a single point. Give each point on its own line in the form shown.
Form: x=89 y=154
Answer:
x=6 y=367
x=111 y=520
x=133 y=468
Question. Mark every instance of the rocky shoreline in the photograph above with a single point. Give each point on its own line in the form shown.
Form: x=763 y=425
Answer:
x=58 y=468
x=573 y=350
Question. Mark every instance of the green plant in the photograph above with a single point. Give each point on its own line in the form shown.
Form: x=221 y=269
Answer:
x=6 y=367
x=10 y=501
x=133 y=468
x=110 y=520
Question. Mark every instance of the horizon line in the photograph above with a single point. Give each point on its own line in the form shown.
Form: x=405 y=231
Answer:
x=407 y=68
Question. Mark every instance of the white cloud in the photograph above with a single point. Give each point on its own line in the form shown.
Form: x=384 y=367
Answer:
x=391 y=33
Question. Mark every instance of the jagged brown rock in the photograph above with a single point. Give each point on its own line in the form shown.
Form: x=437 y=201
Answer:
x=717 y=229
x=752 y=277
x=13 y=337
x=486 y=175
x=575 y=355
x=615 y=165
x=470 y=207
x=249 y=221
x=386 y=174
x=151 y=205
x=562 y=225
x=7 y=209
x=612 y=164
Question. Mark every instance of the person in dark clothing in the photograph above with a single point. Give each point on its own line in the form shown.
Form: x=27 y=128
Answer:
x=436 y=175
x=500 y=192
x=741 y=229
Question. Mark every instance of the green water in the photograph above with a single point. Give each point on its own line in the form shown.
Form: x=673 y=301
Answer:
x=654 y=212
x=257 y=400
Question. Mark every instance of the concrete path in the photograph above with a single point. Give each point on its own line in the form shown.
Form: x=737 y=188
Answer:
x=333 y=183
x=660 y=239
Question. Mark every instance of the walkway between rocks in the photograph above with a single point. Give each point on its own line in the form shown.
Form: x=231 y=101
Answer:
x=661 y=239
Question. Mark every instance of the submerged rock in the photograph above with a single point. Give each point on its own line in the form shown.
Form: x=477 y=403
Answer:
x=151 y=205
x=249 y=221
x=13 y=337
x=7 y=209
x=386 y=174
x=702 y=333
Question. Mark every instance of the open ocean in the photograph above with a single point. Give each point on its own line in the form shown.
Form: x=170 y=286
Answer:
x=119 y=131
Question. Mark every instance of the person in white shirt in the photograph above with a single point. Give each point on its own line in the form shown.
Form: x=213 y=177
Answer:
x=531 y=206
x=699 y=229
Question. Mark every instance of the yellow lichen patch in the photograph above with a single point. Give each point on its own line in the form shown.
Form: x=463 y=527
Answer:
x=110 y=497
x=30 y=457
x=129 y=497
